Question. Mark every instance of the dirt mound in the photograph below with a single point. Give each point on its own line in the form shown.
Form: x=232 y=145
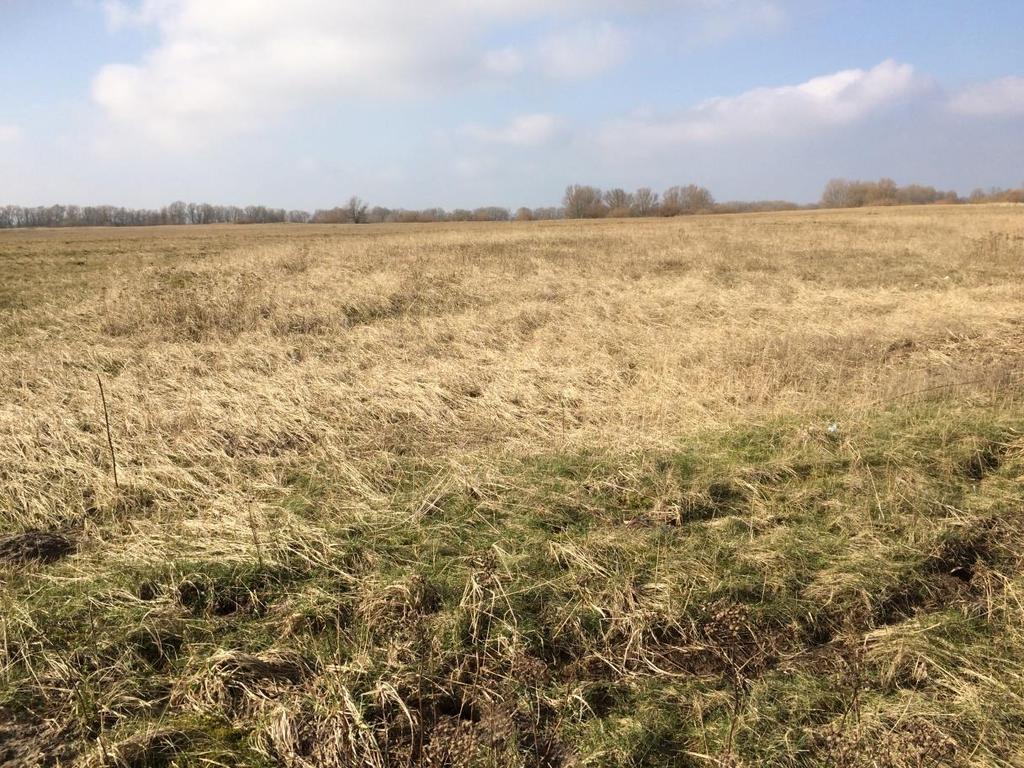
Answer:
x=36 y=546
x=23 y=745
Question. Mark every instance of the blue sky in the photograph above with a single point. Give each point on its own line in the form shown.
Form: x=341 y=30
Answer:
x=466 y=102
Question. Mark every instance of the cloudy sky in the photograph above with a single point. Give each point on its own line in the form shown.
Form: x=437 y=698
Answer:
x=301 y=103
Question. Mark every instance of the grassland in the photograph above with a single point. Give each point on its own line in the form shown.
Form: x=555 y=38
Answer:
x=725 y=491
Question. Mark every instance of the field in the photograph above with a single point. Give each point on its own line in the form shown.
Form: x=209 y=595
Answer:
x=707 y=491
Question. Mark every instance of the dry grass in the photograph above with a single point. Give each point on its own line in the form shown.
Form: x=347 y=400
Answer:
x=736 y=490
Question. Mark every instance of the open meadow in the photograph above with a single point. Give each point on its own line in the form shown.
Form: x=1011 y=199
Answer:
x=704 y=491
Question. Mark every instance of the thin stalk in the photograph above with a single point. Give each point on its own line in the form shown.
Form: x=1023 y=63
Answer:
x=110 y=440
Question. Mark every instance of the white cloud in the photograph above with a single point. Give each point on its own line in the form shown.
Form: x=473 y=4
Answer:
x=1004 y=96
x=9 y=133
x=723 y=20
x=224 y=67
x=574 y=53
x=585 y=51
x=505 y=61
x=523 y=131
x=121 y=13
x=783 y=112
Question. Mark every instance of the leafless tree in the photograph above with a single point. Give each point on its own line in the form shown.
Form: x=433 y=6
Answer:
x=645 y=202
x=685 y=200
x=356 y=210
x=583 y=202
x=843 y=193
x=618 y=200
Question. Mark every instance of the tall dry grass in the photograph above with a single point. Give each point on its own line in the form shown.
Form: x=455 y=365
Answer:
x=349 y=454
x=229 y=350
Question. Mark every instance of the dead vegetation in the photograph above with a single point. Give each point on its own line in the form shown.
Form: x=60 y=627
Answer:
x=737 y=491
x=35 y=546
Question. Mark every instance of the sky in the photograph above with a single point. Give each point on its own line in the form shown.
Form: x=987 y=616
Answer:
x=464 y=103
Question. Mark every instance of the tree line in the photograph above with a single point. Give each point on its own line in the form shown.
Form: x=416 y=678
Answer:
x=114 y=216
x=844 y=193
x=580 y=201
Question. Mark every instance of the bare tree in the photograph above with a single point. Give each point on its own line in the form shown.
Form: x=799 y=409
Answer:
x=645 y=202
x=843 y=193
x=685 y=200
x=488 y=213
x=355 y=210
x=177 y=213
x=886 y=192
x=583 y=202
x=619 y=203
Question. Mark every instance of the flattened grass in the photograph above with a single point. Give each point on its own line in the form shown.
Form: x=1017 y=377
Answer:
x=740 y=491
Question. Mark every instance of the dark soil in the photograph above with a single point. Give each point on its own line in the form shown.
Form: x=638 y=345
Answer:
x=36 y=546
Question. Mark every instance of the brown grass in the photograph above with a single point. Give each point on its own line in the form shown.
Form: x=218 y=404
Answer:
x=455 y=339
x=370 y=423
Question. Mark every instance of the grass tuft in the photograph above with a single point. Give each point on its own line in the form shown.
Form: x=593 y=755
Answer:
x=741 y=491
